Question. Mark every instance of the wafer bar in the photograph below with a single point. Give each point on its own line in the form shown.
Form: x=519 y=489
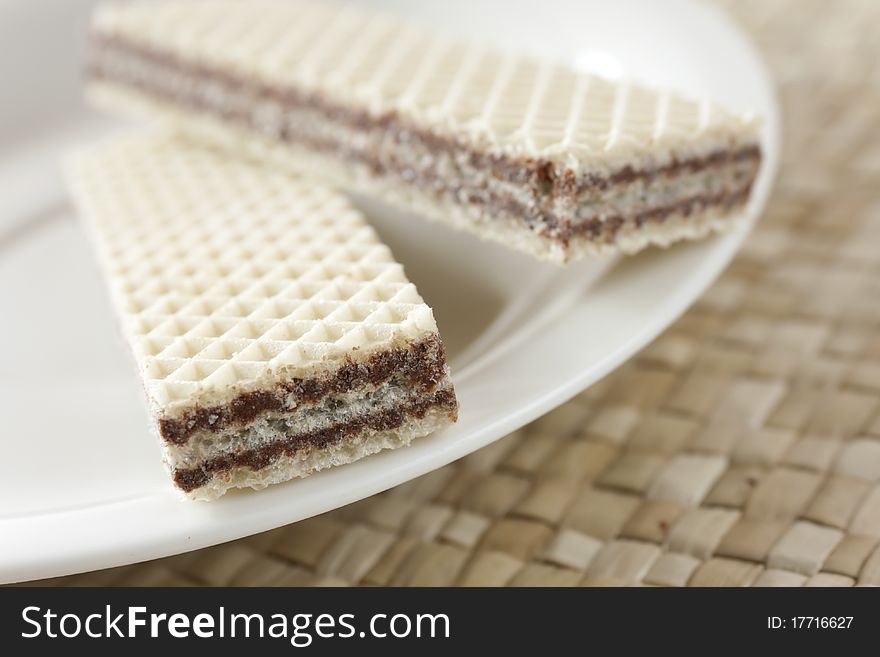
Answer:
x=538 y=156
x=274 y=333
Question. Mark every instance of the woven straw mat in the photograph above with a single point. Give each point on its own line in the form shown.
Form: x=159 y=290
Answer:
x=741 y=448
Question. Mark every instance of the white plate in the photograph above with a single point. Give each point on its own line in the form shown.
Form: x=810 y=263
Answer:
x=81 y=486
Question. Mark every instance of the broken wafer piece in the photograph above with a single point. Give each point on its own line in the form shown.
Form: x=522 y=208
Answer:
x=275 y=334
x=535 y=155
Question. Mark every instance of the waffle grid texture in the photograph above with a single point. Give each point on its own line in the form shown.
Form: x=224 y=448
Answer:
x=511 y=102
x=741 y=448
x=229 y=278
x=533 y=154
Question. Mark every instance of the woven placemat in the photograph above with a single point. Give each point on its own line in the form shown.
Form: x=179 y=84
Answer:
x=741 y=448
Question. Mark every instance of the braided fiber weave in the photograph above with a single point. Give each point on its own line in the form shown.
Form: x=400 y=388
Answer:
x=741 y=448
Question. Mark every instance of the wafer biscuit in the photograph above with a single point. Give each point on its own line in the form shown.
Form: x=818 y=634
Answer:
x=533 y=154
x=275 y=334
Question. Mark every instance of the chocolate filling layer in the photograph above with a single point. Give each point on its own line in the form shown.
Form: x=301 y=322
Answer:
x=607 y=227
x=421 y=366
x=604 y=230
x=236 y=98
x=256 y=459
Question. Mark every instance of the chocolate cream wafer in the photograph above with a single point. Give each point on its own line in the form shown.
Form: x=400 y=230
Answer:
x=536 y=155
x=274 y=333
